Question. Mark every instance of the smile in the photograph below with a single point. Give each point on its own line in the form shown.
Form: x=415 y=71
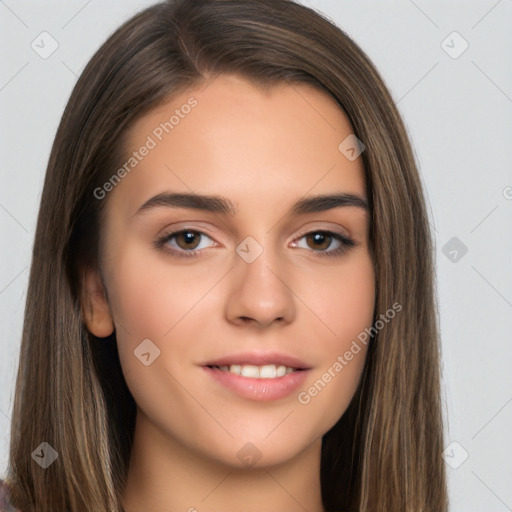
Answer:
x=252 y=378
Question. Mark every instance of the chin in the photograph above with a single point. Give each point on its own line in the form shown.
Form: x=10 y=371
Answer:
x=260 y=448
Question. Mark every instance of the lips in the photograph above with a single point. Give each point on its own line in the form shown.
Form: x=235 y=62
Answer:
x=258 y=376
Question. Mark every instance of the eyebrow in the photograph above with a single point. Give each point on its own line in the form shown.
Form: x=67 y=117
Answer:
x=219 y=204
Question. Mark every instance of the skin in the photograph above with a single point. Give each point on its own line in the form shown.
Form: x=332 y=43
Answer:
x=263 y=150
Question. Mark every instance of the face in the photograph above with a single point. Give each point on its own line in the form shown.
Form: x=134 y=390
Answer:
x=234 y=313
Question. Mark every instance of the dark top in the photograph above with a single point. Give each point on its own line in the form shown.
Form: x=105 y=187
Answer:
x=5 y=504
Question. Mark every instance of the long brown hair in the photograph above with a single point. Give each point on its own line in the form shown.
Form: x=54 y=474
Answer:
x=384 y=454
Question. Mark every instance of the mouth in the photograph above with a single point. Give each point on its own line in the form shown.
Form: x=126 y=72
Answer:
x=258 y=376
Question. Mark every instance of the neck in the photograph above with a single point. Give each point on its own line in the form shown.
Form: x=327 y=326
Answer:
x=164 y=475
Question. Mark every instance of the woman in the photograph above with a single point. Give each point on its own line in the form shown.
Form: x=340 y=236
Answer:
x=231 y=300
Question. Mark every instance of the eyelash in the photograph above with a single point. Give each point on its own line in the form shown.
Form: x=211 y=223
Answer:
x=345 y=243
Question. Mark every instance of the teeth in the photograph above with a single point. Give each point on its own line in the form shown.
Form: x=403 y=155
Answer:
x=250 y=371
x=268 y=371
x=282 y=370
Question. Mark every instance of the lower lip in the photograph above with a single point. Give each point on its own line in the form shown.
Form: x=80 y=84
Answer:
x=261 y=390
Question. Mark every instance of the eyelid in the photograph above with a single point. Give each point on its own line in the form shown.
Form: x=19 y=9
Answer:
x=323 y=229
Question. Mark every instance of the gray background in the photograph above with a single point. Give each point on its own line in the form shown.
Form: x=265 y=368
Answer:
x=458 y=112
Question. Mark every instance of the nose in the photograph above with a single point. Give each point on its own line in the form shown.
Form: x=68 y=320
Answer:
x=260 y=292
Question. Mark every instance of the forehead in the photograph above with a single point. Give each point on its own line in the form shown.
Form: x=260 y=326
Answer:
x=233 y=137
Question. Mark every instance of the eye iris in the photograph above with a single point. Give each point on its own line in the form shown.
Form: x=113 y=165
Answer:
x=190 y=238
x=319 y=238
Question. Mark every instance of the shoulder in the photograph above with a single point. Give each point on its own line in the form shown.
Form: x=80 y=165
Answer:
x=5 y=504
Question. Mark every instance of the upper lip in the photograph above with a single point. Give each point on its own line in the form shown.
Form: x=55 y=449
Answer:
x=259 y=359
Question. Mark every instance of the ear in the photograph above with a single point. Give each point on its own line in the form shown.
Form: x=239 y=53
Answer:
x=95 y=308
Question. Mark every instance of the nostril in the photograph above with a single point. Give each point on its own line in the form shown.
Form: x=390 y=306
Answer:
x=249 y=320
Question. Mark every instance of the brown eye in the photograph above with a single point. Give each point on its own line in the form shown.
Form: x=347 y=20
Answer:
x=319 y=240
x=186 y=242
x=187 y=239
x=325 y=243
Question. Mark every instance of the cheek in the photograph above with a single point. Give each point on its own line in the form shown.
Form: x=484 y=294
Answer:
x=150 y=295
x=153 y=304
x=346 y=309
x=343 y=300
x=353 y=299
x=153 y=299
